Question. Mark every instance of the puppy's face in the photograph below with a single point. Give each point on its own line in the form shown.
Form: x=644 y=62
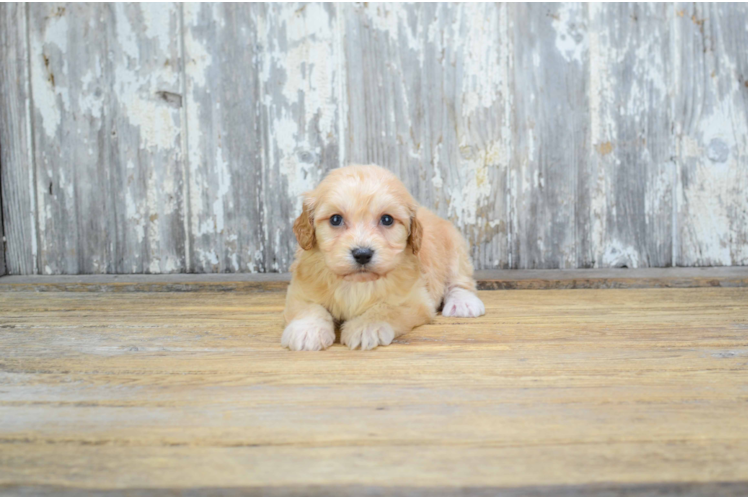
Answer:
x=362 y=219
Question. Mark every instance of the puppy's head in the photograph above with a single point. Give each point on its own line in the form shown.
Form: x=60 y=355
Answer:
x=362 y=219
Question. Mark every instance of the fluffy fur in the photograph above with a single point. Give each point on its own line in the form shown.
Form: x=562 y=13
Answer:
x=419 y=262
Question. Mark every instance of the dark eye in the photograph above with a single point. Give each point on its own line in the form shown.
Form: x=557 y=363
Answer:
x=387 y=220
x=336 y=220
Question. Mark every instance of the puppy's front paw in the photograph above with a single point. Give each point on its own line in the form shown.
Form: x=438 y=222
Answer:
x=461 y=303
x=308 y=334
x=366 y=335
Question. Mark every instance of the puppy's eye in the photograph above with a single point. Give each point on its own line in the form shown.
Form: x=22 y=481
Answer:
x=336 y=220
x=387 y=220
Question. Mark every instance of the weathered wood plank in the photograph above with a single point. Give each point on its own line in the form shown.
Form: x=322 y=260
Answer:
x=225 y=137
x=566 y=390
x=263 y=127
x=625 y=189
x=17 y=197
x=2 y=236
x=711 y=127
x=550 y=131
x=428 y=97
x=302 y=80
x=147 y=153
x=105 y=81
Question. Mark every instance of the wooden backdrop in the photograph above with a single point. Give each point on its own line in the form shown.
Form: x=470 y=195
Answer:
x=163 y=138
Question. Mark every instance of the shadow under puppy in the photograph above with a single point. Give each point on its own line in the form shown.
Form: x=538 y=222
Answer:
x=374 y=260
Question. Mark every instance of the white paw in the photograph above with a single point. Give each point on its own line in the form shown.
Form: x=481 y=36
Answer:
x=367 y=336
x=460 y=303
x=308 y=334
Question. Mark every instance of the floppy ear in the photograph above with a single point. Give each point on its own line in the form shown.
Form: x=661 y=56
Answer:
x=416 y=234
x=303 y=227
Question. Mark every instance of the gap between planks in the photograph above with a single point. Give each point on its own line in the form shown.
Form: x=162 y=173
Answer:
x=547 y=279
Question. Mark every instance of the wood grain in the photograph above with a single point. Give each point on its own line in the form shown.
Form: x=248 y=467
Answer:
x=302 y=81
x=625 y=199
x=711 y=126
x=178 y=138
x=106 y=97
x=262 y=120
x=225 y=137
x=551 y=391
x=17 y=202
x=550 y=132
x=428 y=89
x=2 y=240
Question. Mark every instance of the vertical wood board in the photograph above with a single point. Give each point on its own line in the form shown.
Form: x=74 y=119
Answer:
x=625 y=202
x=711 y=127
x=105 y=83
x=16 y=164
x=428 y=98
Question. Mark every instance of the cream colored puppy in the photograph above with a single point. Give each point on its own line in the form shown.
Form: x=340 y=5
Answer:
x=373 y=260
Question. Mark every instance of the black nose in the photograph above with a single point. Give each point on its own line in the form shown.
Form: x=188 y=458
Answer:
x=362 y=255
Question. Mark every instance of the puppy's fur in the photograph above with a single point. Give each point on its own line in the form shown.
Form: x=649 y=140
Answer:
x=419 y=261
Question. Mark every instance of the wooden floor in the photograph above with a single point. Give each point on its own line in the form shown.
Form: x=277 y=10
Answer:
x=639 y=391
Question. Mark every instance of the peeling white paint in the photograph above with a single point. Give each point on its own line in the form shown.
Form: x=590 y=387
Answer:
x=310 y=70
x=392 y=19
x=300 y=177
x=714 y=192
x=304 y=94
x=157 y=18
x=619 y=255
x=571 y=33
x=437 y=180
x=483 y=71
x=602 y=128
x=46 y=89
x=137 y=89
x=708 y=219
x=465 y=201
x=89 y=103
x=198 y=59
x=223 y=177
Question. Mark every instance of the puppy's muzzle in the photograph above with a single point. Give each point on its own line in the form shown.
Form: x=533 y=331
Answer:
x=362 y=255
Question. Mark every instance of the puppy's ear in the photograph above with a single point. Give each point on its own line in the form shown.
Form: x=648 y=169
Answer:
x=416 y=234
x=303 y=227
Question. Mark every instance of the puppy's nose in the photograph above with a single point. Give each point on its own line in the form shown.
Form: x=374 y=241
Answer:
x=362 y=255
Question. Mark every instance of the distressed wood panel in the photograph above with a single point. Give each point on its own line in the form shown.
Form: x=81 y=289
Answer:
x=167 y=138
x=624 y=198
x=146 y=158
x=711 y=126
x=263 y=127
x=106 y=84
x=2 y=240
x=427 y=88
x=17 y=204
x=550 y=131
x=225 y=136
x=302 y=80
x=2 y=237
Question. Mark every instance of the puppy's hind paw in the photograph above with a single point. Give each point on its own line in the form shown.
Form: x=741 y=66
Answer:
x=366 y=335
x=308 y=334
x=460 y=303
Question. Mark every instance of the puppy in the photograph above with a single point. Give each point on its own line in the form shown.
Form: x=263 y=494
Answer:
x=373 y=260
